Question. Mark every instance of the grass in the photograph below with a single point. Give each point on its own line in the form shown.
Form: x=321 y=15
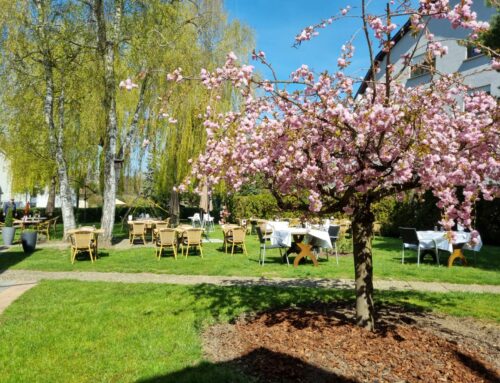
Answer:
x=386 y=259
x=73 y=331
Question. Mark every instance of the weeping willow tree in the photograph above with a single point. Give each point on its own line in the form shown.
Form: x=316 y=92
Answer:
x=204 y=44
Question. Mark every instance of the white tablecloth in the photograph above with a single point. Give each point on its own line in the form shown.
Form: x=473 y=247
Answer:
x=277 y=225
x=313 y=236
x=443 y=242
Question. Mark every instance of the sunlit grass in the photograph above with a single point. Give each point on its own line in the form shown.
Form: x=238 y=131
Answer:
x=69 y=331
x=386 y=258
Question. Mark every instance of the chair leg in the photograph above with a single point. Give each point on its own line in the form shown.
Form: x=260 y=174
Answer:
x=174 y=249
x=201 y=250
x=403 y=257
x=232 y=249
x=418 y=256
x=336 y=253
x=244 y=248
x=187 y=251
x=264 y=256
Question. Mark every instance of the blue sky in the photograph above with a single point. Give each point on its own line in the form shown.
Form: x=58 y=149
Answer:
x=277 y=22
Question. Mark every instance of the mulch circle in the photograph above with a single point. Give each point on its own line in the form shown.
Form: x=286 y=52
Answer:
x=320 y=343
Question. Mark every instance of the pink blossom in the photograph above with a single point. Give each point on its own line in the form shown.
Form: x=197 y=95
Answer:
x=127 y=84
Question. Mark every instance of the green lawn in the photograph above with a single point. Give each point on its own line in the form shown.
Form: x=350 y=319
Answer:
x=387 y=263
x=69 y=331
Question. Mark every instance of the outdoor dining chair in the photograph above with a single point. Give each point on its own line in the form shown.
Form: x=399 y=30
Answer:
x=83 y=241
x=166 y=238
x=138 y=230
x=333 y=232
x=208 y=221
x=265 y=246
x=411 y=241
x=195 y=219
x=158 y=227
x=192 y=238
x=44 y=228
x=237 y=239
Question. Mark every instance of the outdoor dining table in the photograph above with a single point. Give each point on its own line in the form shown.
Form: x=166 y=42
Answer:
x=460 y=240
x=29 y=221
x=304 y=239
x=94 y=231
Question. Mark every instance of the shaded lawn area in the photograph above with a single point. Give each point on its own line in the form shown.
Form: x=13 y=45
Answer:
x=85 y=332
x=387 y=263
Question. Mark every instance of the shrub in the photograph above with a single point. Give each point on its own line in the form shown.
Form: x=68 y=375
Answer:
x=9 y=219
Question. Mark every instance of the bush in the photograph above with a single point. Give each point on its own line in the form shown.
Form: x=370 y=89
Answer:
x=262 y=205
x=9 y=219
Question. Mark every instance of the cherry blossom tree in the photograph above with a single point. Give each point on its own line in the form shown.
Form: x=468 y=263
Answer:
x=336 y=152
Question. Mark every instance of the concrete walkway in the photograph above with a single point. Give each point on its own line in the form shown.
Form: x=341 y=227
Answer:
x=33 y=276
x=11 y=290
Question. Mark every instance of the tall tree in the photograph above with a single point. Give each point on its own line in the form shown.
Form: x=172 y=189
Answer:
x=344 y=154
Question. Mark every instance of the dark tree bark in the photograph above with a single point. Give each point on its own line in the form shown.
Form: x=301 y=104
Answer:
x=362 y=232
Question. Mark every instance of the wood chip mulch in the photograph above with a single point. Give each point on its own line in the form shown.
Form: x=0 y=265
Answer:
x=321 y=344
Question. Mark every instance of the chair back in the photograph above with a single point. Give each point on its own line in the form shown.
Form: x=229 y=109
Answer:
x=167 y=236
x=87 y=228
x=161 y=225
x=333 y=231
x=239 y=234
x=409 y=235
x=260 y=235
x=138 y=228
x=82 y=239
x=193 y=236
x=196 y=217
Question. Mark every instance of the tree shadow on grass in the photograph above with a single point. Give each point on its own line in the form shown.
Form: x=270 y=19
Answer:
x=259 y=365
x=11 y=258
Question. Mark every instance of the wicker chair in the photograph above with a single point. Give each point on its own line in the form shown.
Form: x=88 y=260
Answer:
x=165 y=238
x=237 y=239
x=53 y=223
x=83 y=241
x=44 y=228
x=138 y=230
x=158 y=227
x=192 y=238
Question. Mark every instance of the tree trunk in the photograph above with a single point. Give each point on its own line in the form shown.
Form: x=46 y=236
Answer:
x=106 y=50
x=55 y=138
x=362 y=231
x=51 y=201
x=67 y=212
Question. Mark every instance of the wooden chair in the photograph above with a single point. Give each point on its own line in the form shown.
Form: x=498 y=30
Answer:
x=192 y=237
x=237 y=239
x=44 y=228
x=265 y=231
x=138 y=230
x=165 y=238
x=83 y=241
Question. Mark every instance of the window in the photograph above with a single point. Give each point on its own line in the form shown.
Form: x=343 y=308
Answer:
x=422 y=65
x=473 y=51
x=485 y=88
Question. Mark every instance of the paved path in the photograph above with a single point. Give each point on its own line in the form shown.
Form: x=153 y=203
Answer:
x=30 y=276
x=11 y=290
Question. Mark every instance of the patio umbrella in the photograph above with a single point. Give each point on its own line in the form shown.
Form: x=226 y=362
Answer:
x=205 y=200
x=119 y=202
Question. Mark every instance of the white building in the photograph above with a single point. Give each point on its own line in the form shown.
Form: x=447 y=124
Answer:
x=6 y=193
x=471 y=64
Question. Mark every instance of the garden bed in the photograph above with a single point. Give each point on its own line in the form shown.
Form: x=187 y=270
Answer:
x=319 y=343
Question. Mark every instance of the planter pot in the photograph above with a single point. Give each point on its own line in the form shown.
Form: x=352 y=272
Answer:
x=28 y=240
x=8 y=235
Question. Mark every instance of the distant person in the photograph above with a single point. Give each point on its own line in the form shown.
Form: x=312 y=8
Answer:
x=10 y=205
x=27 y=209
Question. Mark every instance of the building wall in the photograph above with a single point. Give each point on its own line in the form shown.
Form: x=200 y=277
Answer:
x=476 y=71
x=39 y=200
